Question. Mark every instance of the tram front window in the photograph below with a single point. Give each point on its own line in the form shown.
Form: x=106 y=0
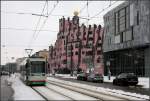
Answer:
x=37 y=67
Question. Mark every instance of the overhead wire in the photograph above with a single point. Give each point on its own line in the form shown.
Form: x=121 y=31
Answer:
x=83 y=7
x=110 y=5
x=44 y=15
x=37 y=25
x=24 y=45
x=88 y=12
x=21 y=13
x=46 y=19
x=25 y=29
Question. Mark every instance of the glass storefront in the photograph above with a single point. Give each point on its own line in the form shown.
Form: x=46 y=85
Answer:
x=130 y=60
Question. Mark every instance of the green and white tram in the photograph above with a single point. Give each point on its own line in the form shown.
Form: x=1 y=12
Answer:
x=34 y=72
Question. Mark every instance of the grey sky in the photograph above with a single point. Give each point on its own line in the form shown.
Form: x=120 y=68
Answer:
x=16 y=41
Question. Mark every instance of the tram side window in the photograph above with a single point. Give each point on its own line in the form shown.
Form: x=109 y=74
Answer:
x=38 y=67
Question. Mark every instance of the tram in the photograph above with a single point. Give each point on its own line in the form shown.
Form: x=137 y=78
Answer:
x=34 y=71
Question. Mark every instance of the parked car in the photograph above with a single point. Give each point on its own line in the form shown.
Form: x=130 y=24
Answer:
x=126 y=79
x=82 y=76
x=95 y=78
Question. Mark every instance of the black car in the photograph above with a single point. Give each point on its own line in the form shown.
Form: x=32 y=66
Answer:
x=82 y=76
x=95 y=78
x=126 y=79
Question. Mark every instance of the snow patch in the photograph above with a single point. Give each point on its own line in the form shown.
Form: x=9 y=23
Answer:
x=21 y=91
x=115 y=92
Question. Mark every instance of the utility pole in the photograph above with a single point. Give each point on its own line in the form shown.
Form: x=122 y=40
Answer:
x=71 y=61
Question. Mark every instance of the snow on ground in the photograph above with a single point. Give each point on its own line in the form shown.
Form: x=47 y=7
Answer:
x=70 y=93
x=144 y=81
x=104 y=90
x=66 y=76
x=21 y=91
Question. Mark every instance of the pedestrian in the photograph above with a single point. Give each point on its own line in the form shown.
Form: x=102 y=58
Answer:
x=9 y=74
x=109 y=75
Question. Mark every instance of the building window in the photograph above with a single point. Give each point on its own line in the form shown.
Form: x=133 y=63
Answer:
x=76 y=53
x=122 y=20
x=89 y=32
x=84 y=38
x=98 y=60
x=69 y=47
x=64 y=61
x=64 y=42
x=69 y=53
x=90 y=38
x=89 y=53
x=99 y=52
x=76 y=45
x=137 y=17
x=89 y=45
x=82 y=52
x=123 y=30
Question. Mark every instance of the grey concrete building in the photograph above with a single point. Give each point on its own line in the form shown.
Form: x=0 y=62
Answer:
x=126 y=44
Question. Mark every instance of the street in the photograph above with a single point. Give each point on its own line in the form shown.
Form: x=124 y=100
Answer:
x=133 y=89
x=80 y=50
x=58 y=88
x=6 y=90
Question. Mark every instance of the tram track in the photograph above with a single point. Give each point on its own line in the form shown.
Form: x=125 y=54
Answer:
x=50 y=94
x=99 y=95
x=75 y=96
x=46 y=99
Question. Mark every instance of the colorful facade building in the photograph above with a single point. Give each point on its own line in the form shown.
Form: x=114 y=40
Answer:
x=77 y=48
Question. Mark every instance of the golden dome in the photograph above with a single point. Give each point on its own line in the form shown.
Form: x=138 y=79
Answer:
x=76 y=13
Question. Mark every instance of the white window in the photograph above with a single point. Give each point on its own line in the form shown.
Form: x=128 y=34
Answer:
x=117 y=39
x=131 y=15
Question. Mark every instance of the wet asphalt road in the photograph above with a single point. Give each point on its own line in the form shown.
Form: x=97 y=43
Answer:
x=6 y=90
x=134 y=89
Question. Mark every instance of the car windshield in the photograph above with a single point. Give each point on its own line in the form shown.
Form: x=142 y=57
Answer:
x=130 y=74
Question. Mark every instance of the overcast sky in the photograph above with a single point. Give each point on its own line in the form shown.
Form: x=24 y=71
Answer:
x=18 y=23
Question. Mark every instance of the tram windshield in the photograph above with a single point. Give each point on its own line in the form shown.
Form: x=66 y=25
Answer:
x=37 y=67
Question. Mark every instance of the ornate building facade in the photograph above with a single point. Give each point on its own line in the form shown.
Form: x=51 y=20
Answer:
x=77 y=48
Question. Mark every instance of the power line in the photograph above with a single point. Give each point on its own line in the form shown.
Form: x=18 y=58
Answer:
x=88 y=12
x=37 y=23
x=103 y=10
x=46 y=15
x=51 y=15
x=47 y=18
x=84 y=7
x=23 y=45
x=110 y=5
x=25 y=29
x=21 y=13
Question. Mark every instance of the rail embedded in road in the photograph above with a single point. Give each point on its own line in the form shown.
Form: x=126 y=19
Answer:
x=96 y=94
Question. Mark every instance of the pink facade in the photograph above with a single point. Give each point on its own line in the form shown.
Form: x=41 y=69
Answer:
x=77 y=47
